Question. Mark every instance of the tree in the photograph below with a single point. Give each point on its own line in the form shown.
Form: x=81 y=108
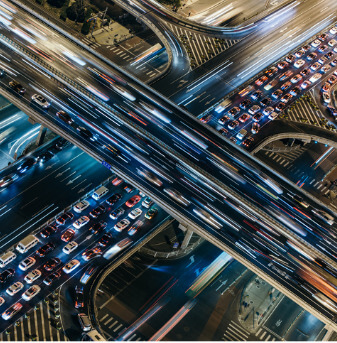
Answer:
x=76 y=11
x=56 y=3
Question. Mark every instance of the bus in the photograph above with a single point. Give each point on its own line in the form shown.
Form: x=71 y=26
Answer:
x=154 y=50
x=118 y=247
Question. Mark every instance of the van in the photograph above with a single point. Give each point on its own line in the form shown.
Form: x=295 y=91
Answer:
x=242 y=134
x=27 y=243
x=7 y=258
x=84 y=322
x=100 y=192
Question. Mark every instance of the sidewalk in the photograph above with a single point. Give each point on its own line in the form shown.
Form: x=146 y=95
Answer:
x=257 y=300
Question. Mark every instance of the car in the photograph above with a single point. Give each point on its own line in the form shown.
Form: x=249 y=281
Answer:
x=128 y=188
x=92 y=253
x=268 y=110
x=223 y=120
x=332 y=42
x=273 y=116
x=322 y=60
x=305 y=84
x=40 y=101
x=46 y=156
x=79 y=297
x=151 y=213
x=284 y=76
x=7 y=274
x=245 y=104
x=12 y=311
x=233 y=139
x=71 y=266
x=332 y=110
x=14 y=288
x=48 y=231
x=329 y=55
x=97 y=211
x=299 y=53
x=61 y=220
x=326 y=97
x=105 y=239
x=98 y=227
x=290 y=58
x=84 y=220
x=234 y=111
x=315 y=43
x=51 y=264
x=70 y=247
x=323 y=48
x=283 y=64
x=27 y=263
x=286 y=85
x=305 y=72
x=121 y=225
x=116 y=213
x=279 y=107
x=17 y=87
x=247 y=142
x=271 y=71
x=133 y=201
x=117 y=181
x=60 y=144
x=81 y=206
x=26 y=165
x=276 y=94
x=271 y=84
x=65 y=117
x=255 y=128
x=256 y=95
x=51 y=278
x=135 y=227
x=286 y=98
x=296 y=78
x=206 y=118
x=244 y=117
x=261 y=80
x=333 y=30
x=68 y=235
x=299 y=200
x=223 y=131
x=325 y=68
x=305 y=48
x=2 y=301
x=8 y=180
x=295 y=91
x=315 y=77
x=45 y=249
x=85 y=133
x=265 y=102
x=332 y=79
x=135 y=213
x=31 y=292
x=254 y=109
x=326 y=87
x=311 y=56
x=258 y=116
x=323 y=37
x=32 y=276
x=114 y=198
x=233 y=124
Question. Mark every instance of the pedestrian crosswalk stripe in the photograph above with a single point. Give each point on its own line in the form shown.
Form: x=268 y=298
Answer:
x=237 y=330
x=267 y=339
x=263 y=334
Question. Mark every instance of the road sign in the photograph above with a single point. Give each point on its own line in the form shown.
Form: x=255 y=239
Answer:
x=106 y=165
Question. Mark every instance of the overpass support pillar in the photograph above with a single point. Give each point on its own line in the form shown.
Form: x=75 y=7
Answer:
x=188 y=236
x=328 y=334
x=42 y=134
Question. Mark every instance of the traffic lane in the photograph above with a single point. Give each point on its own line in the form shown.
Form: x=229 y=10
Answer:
x=27 y=204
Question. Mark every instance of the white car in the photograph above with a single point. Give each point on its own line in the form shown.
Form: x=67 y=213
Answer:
x=11 y=311
x=81 y=206
x=84 y=220
x=13 y=289
x=332 y=42
x=333 y=30
x=273 y=115
x=31 y=292
x=70 y=247
x=32 y=276
x=27 y=263
x=326 y=97
x=123 y=224
x=316 y=43
x=315 y=77
x=40 y=100
x=70 y=266
x=147 y=202
x=135 y=213
x=254 y=109
x=268 y=110
x=299 y=63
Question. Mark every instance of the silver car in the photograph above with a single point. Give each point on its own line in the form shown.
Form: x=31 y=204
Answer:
x=40 y=100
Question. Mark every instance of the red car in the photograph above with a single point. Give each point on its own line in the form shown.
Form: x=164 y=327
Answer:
x=68 y=235
x=133 y=201
x=117 y=181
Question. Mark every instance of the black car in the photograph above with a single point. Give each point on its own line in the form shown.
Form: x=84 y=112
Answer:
x=105 y=239
x=265 y=102
x=60 y=144
x=65 y=117
x=46 y=249
x=79 y=297
x=85 y=133
x=61 y=220
x=114 y=198
x=51 y=278
x=245 y=104
x=45 y=157
x=256 y=95
x=23 y=167
x=48 y=230
x=7 y=274
x=17 y=87
x=98 y=227
x=97 y=211
x=52 y=264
